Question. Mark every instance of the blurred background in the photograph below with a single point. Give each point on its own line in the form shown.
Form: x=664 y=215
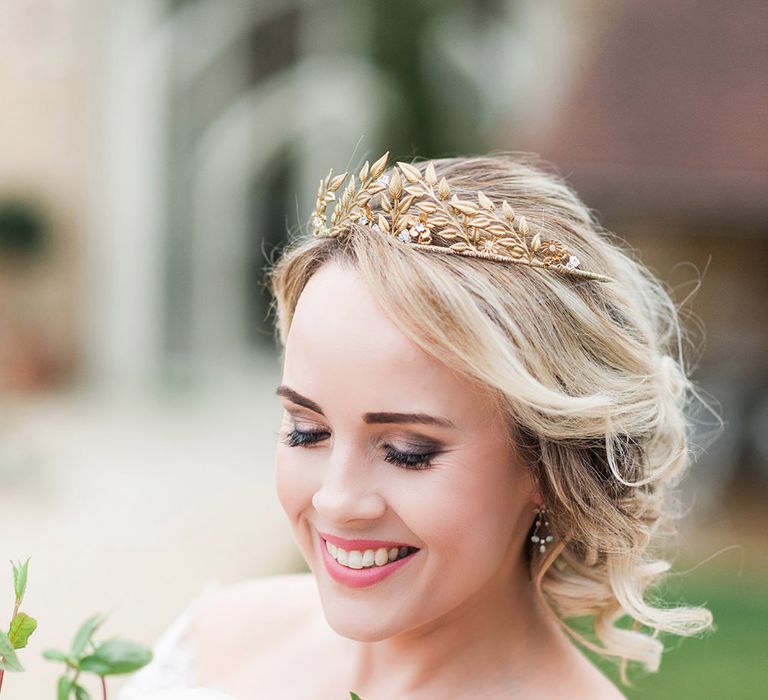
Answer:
x=155 y=154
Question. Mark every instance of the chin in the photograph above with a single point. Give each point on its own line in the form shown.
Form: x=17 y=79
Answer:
x=355 y=621
x=357 y=630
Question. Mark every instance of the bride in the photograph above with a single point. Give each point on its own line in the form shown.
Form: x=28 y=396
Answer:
x=483 y=401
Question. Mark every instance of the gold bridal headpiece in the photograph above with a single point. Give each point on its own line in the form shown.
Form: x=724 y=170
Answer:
x=413 y=208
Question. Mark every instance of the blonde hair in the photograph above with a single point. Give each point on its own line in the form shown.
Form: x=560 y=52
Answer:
x=590 y=376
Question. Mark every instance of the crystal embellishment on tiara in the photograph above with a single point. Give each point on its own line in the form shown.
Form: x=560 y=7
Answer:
x=411 y=207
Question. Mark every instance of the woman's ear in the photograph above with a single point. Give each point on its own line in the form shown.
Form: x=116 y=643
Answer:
x=535 y=496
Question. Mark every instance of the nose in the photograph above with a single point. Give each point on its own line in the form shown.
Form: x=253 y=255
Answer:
x=346 y=494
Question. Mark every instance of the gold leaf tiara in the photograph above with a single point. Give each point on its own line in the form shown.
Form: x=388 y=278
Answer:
x=412 y=207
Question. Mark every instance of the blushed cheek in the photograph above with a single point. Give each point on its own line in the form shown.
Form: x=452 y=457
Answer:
x=293 y=488
x=477 y=514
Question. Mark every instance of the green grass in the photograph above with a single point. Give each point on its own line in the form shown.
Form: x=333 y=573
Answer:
x=730 y=662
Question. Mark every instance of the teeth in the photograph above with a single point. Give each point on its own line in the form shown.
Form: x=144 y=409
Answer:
x=381 y=557
x=356 y=559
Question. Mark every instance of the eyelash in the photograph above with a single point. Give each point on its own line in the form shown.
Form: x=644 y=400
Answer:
x=406 y=460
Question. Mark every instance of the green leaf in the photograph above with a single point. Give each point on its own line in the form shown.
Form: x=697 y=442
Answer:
x=9 y=661
x=64 y=688
x=116 y=656
x=22 y=627
x=6 y=665
x=20 y=579
x=95 y=664
x=354 y=696
x=81 y=693
x=56 y=655
x=83 y=635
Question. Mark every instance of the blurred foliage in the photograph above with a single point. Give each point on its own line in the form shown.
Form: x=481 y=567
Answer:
x=399 y=43
x=731 y=661
x=23 y=229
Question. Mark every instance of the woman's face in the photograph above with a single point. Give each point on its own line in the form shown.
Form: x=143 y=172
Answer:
x=382 y=447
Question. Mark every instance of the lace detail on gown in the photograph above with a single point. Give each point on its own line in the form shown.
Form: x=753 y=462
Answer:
x=170 y=674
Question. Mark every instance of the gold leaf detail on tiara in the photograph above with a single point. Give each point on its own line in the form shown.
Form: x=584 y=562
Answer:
x=414 y=207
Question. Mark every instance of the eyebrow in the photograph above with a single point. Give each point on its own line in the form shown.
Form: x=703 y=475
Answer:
x=370 y=418
x=298 y=399
x=423 y=418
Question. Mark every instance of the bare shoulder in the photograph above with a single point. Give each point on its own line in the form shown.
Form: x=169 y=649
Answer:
x=244 y=617
x=267 y=597
x=229 y=614
x=583 y=679
x=600 y=688
x=576 y=676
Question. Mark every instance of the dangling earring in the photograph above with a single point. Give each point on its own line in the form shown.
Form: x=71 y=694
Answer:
x=539 y=537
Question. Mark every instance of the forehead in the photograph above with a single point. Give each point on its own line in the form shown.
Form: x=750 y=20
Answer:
x=343 y=347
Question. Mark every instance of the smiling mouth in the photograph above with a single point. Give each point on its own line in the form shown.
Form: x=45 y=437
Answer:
x=368 y=558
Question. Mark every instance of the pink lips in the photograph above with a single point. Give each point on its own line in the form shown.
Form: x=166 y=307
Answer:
x=360 y=578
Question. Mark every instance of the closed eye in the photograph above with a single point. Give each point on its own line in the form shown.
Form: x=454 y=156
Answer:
x=300 y=438
x=406 y=460
x=410 y=460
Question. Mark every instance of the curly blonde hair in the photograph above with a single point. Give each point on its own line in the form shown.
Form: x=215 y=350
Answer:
x=590 y=376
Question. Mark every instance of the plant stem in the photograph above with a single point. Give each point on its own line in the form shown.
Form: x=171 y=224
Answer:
x=15 y=610
x=104 y=687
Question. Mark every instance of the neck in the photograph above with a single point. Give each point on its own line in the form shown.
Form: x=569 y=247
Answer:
x=493 y=638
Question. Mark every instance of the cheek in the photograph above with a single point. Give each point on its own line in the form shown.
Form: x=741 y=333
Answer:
x=473 y=510
x=294 y=488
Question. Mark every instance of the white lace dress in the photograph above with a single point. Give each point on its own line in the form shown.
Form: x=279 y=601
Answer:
x=170 y=674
